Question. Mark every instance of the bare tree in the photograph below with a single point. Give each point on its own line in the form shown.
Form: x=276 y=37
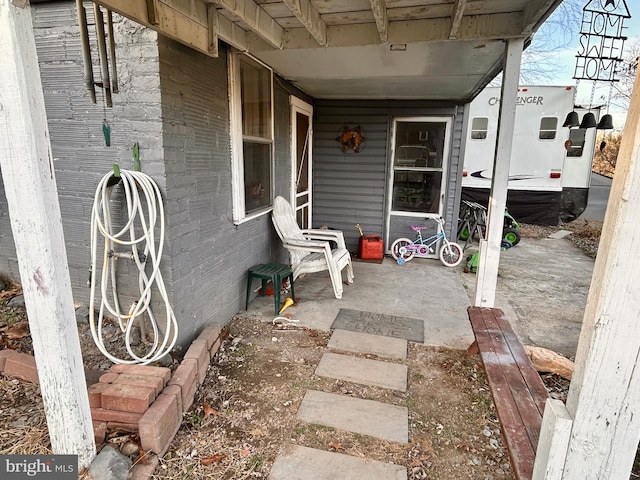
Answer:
x=604 y=161
x=539 y=65
x=621 y=91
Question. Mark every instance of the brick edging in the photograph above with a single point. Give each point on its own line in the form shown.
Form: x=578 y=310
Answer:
x=143 y=399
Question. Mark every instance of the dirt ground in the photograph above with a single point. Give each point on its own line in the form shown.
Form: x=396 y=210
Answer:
x=246 y=409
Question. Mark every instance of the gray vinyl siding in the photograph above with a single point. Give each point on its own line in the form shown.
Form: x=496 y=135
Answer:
x=350 y=188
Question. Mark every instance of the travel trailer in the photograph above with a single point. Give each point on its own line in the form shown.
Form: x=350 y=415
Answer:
x=550 y=164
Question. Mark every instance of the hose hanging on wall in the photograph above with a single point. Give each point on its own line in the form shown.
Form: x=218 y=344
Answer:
x=144 y=209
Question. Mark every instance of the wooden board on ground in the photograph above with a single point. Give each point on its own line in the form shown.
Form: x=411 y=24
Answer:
x=518 y=392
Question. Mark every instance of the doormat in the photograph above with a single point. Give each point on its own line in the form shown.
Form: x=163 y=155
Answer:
x=377 y=324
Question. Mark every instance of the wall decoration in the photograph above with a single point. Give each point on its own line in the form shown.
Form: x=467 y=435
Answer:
x=351 y=139
x=602 y=36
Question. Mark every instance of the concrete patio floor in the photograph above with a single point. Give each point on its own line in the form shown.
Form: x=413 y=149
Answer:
x=422 y=289
x=542 y=288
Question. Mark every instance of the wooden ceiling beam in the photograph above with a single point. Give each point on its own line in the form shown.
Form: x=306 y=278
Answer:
x=456 y=17
x=536 y=12
x=379 y=9
x=472 y=27
x=310 y=18
x=255 y=17
x=168 y=20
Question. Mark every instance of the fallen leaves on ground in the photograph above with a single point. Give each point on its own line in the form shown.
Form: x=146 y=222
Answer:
x=208 y=410
x=213 y=459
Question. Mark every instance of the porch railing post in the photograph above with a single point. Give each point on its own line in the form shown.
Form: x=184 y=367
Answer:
x=489 y=259
x=34 y=210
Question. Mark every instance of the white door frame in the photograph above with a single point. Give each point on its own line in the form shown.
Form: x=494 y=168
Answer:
x=448 y=121
x=300 y=106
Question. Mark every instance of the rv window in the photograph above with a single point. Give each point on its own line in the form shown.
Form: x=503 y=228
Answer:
x=479 y=127
x=576 y=135
x=548 y=126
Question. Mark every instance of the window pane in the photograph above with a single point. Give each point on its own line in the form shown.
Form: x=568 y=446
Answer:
x=479 y=127
x=302 y=154
x=257 y=175
x=548 y=126
x=576 y=136
x=416 y=191
x=419 y=144
x=256 y=94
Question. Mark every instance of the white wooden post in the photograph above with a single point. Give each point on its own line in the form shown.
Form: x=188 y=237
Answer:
x=487 y=276
x=28 y=175
x=604 y=396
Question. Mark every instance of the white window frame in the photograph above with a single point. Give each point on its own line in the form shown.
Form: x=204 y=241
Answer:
x=237 y=156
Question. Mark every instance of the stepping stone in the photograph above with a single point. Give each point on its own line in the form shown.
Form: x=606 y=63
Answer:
x=363 y=371
x=560 y=234
x=387 y=347
x=303 y=463
x=388 y=422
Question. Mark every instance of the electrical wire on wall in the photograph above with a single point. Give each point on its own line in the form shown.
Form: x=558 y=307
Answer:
x=137 y=236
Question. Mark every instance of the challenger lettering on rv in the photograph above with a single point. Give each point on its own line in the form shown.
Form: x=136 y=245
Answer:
x=531 y=100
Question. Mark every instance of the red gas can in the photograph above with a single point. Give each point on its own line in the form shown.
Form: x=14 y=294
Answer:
x=370 y=247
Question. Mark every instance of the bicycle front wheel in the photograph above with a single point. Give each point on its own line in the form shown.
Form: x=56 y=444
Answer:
x=451 y=254
x=399 y=249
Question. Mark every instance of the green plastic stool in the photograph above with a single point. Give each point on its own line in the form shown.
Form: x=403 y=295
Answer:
x=276 y=272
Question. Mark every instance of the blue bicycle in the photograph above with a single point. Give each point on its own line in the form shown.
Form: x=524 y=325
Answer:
x=404 y=249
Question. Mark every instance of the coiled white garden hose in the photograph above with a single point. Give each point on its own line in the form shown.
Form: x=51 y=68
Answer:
x=144 y=209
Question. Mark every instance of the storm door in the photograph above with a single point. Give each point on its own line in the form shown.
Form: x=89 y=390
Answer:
x=417 y=177
x=301 y=136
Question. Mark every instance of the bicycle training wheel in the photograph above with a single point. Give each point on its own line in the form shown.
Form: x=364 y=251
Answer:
x=400 y=252
x=511 y=235
x=451 y=255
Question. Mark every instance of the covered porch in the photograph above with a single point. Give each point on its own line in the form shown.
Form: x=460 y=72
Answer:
x=487 y=36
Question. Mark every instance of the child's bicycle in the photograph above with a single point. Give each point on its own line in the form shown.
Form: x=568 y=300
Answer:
x=404 y=249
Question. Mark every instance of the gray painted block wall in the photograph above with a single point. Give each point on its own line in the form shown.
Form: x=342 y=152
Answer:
x=174 y=102
x=81 y=157
x=210 y=255
x=350 y=188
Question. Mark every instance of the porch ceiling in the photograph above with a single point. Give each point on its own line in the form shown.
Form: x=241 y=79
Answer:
x=399 y=49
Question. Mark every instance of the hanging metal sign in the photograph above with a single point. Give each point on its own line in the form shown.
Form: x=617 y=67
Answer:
x=602 y=37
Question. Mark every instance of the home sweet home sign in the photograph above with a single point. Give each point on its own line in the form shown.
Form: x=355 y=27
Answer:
x=602 y=37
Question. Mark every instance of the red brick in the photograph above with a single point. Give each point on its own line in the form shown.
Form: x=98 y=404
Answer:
x=122 y=427
x=95 y=394
x=210 y=335
x=127 y=398
x=21 y=365
x=176 y=392
x=104 y=415
x=185 y=377
x=99 y=432
x=199 y=352
x=109 y=377
x=144 y=471
x=160 y=424
x=161 y=372
x=215 y=348
x=4 y=354
x=156 y=383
